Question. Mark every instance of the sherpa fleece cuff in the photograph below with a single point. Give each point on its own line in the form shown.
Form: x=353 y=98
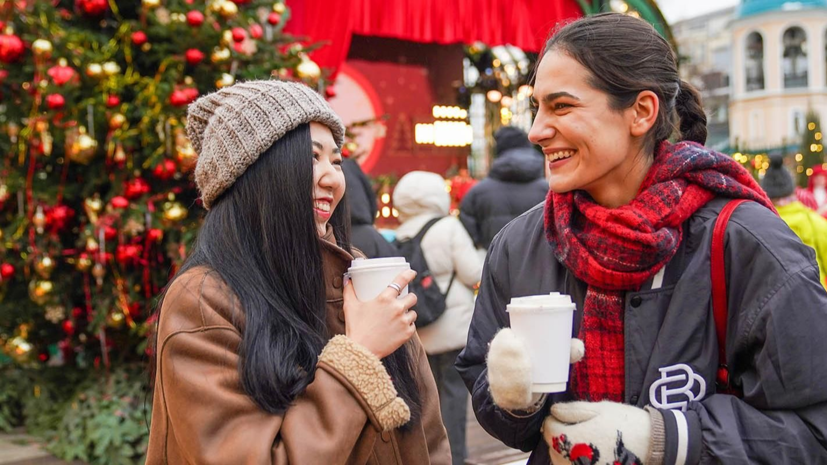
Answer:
x=365 y=372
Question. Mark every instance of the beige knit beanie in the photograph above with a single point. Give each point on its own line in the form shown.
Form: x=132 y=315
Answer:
x=231 y=128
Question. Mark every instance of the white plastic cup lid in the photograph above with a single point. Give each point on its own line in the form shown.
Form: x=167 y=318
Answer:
x=541 y=303
x=387 y=261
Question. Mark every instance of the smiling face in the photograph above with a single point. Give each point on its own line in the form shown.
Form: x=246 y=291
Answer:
x=328 y=177
x=588 y=145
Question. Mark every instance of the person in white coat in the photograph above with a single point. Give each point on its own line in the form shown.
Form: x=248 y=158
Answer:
x=449 y=251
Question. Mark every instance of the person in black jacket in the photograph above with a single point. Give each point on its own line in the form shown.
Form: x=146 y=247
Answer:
x=362 y=203
x=627 y=232
x=514 y=184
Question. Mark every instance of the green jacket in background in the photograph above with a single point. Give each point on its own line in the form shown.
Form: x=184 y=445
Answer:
x=811 y=228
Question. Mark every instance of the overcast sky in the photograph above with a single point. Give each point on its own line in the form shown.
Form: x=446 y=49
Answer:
x=676 y=10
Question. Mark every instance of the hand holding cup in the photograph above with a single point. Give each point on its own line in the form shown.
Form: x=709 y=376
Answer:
x=385 y=323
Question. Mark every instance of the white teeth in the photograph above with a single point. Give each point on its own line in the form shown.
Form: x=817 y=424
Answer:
x=560 y=155
x=323 y=206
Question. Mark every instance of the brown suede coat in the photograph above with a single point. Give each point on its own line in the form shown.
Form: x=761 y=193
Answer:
x=346 y=416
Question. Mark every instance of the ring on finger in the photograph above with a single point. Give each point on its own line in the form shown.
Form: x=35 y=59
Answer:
x=396 y=287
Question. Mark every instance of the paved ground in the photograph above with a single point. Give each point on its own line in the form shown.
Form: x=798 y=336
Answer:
x=19 y=449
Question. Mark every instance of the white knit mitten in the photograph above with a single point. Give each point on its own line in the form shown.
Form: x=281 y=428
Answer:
x=600 y=432
x=509 y=370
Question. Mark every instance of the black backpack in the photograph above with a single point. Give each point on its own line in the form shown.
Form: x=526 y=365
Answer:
x=430 y=303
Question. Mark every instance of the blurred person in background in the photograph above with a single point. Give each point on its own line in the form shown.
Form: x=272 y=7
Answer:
x=779 y=185
x=514 y=184
x=361 y=201
x=453 y=261
x=817 y=185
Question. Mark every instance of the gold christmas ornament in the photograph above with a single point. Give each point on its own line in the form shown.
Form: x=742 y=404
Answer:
x=84 y=263
x=120 y=155
x=116 y=121
x=42 y=48
x=92 y=244
x=94 y=70
x=39 y=219
x=216 y=5
x=18 y=348
x=82 y=147
x=174 y=211
x=93 y=206
x=110 y=68
x=220 y=54
x=44 y=266
x=227 y=38
x=151 y=4
x=308 y=69
x=279 y=8
x=40 y=290
x=226 y=80
x=115 y=319
x=99 y=271
x=228 y=10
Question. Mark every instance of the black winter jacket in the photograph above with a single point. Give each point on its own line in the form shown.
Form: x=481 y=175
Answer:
x=514 y=185
x=362 y=203
x=776 y=340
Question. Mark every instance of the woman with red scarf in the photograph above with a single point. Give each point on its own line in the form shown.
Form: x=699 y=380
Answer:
x=626 y=230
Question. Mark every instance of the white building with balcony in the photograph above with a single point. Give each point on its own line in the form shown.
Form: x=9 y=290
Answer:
x=779 y=71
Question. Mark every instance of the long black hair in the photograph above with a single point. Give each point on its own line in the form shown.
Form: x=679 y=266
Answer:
x=626 y=56
x=260 y=236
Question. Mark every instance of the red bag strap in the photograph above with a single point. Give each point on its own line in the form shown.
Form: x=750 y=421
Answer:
x=719 y=291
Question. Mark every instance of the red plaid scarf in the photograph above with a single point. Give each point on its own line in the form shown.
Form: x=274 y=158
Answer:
x=617 y=250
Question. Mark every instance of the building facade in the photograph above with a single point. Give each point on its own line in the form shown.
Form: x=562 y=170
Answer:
x=704 y=45
x=779 y=72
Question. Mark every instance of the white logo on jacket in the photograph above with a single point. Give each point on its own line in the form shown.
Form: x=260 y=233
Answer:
x=664 y=397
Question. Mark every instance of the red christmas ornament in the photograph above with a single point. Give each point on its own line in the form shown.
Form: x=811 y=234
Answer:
x=191 y=93
x=68 y=327
x=155 y=235
x=165 y=170
x=178 y=98
x=135 y=188
x=195 y=18
x=274 y=18
x=77 y=312
x=6 y=271
x=11 y=48
x=256 y=31
x=109 y=233
x=55 y=101
x=58 y=217
x=119 y=202
x=113 y=101
x=330 y=92
x=61 y=74
x=240 y=2
x=194 y=56
x=127 y=254
x=42 y=357
x=239 y=34
x=93 y=7
x=139 y=38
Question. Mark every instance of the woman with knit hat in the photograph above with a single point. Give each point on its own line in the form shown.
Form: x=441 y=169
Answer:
x=627 y=231
x=263 y=354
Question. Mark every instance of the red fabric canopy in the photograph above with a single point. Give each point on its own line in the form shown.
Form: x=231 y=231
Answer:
x=522 y=23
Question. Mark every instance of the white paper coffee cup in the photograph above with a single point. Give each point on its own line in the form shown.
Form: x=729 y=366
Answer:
x=371 y=276
x=544 y=323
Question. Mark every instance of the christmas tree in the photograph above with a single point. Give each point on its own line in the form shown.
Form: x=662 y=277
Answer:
x=812 y=150
x=97 y=203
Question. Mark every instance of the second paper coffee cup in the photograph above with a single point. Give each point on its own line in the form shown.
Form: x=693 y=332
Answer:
x=543 y=323
x=371 y=276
